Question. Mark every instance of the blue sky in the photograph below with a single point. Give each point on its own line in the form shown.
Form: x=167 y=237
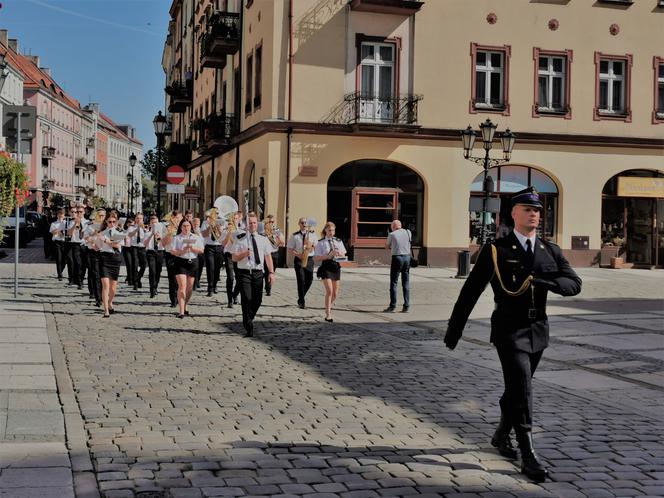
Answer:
x=105 y=51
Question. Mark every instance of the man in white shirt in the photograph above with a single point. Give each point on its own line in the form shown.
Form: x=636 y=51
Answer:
x=137 y=255
x=58 y=232
x=214 y=251
x=74 y=232
x=249 y=252
x=304 y=270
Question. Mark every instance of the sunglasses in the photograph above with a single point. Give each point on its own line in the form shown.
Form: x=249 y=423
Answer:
x=110 y=221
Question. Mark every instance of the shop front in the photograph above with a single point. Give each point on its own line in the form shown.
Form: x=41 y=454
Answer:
x=633 y=217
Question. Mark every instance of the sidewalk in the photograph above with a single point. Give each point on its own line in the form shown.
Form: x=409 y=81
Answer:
x=34 y=460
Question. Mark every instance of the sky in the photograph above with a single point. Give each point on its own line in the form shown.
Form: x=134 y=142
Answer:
x=102 y=51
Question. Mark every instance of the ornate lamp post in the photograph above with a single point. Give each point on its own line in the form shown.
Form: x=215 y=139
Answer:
x=137 y=193
x=159 y=123
x=487 y=133
x=130 y=182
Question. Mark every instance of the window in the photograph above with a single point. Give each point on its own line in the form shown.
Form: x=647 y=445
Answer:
x=552 y=83
x=612 y=99
x=490 y=79
x=250 y=72
x=377 y=80
x=259 y=77
x=658 y=113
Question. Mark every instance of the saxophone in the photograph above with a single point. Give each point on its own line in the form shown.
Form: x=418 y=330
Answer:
x=308 y=245
x=269 y=233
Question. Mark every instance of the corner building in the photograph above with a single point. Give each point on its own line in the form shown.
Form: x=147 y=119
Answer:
x=351 y=111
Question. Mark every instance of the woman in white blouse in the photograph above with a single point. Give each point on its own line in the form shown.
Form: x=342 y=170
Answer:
x=186 y=246
x=328 y=252
x=108 y=242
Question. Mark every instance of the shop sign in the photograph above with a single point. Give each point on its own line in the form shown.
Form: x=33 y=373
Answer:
x=635 y=186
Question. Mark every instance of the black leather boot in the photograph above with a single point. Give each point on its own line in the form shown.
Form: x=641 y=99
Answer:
x=530 y=464
x=501 y=438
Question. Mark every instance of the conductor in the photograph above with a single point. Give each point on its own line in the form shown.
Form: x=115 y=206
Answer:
x=522 y=270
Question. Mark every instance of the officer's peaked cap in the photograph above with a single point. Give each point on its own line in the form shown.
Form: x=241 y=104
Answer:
x=527 y=197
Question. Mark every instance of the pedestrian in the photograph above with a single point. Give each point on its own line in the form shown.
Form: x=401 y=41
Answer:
x=329 y=251
x=249 y=251
x=301 y=245
x=399 y=242
x=186 y=246
x=172 y=223
x=93 y=255
x=154 y=253
x=214 y=251
x=109 y=243
x=196 y=229
x=228 y=234
x=136 y=251
x=58 y=230
x=74 y=237
x=522 y=268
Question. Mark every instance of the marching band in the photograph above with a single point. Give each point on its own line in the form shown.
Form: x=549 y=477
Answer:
x=248 y=252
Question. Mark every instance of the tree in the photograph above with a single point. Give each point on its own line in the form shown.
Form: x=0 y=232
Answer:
x=13 y=186
x=149 y=164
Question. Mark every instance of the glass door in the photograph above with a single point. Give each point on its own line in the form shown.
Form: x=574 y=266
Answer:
x=640 y=225
x=376 y=94
x=659 y=222
x=373 y=213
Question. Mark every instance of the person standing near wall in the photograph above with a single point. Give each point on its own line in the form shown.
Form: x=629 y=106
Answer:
x=399 y=242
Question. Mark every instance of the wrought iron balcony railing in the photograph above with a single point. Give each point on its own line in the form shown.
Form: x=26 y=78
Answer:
x=90 y=144
x=179 y=154
x=221 y=38
x=220 y=128
x=48 y=152
x=391 y=110
x=180 y=95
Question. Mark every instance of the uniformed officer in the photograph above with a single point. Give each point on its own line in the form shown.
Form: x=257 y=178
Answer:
x=522 y=269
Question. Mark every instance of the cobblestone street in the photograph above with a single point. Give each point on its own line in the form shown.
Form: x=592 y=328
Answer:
x=371 y=405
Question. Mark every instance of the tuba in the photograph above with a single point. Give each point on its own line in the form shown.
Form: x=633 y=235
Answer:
x=215 y=232
x=226 y=208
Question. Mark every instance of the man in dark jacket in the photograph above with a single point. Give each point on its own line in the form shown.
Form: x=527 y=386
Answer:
x=522 y=269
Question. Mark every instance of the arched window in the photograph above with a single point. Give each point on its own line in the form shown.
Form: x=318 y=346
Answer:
x=507 y=180
x=363 y=197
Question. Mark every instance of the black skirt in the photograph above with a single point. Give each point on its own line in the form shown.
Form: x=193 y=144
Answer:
x=109 y=265
x=329 y=269
x=182 y=266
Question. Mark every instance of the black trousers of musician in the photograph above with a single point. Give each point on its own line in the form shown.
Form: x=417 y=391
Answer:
x=172 y=283
x=139 y=263
x=49 y=248
x=60 y=254
x=155 y=264
x=199 y=270
x=517 y=399
x=94 y=282
x=214 y=257
x=304 y=274
x=84 y=267
x=74 y=262
x=231 y=275
x=266 y=271
x=251 y=295
x=126 y=256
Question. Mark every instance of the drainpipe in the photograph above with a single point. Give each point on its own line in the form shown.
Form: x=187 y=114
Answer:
x=239 y=118
x=290 y=60
x=288 y=168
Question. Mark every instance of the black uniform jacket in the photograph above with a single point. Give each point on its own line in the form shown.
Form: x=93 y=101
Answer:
x=518 y=322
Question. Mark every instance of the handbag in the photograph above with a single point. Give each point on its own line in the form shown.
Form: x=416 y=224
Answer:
x=414 y=263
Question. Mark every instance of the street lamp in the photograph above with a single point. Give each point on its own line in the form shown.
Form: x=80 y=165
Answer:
x=129 y=181
x=137 y=187
x=159 y=123
x=487 y=133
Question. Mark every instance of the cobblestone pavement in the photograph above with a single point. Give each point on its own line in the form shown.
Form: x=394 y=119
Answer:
x=372 y=405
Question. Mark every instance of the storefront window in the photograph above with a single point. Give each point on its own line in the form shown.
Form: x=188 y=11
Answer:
x=507 y=180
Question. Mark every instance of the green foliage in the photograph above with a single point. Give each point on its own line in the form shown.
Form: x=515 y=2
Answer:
x=149 y=163
x=97 y=202
x=13 y=186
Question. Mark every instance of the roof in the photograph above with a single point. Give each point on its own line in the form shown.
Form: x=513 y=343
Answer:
x=116 y=129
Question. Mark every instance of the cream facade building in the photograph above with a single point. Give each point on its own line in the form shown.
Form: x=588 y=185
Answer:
x=351 y=111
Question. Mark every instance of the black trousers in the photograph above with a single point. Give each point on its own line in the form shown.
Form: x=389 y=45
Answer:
x=251 y=294
x=48 y=244
x=84 y=266
x=126 y=256
x=137 y=262
x=214 y=257
x=73 y=251
x=266 y=270
x=172 y=283
x=516 y=403
x=199 y=270
x=231 y=275
x=304 y=275
x=60 y=256
x=94 y=282
x=155 y=264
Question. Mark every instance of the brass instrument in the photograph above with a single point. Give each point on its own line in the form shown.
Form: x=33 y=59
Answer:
x=215 y=230
x=308 y=245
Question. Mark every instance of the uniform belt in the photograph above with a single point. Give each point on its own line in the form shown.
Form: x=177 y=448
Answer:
x=241 y=270
x=531 y=313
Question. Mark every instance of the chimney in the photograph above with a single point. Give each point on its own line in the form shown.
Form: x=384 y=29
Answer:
x=46 y=70
x=13 y=44
x=4 y=35
x=34 y=59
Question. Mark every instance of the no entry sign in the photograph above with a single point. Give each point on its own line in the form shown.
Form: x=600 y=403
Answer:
x=175 y=174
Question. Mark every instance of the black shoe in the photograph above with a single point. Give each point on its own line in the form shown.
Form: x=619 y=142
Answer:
x=209 y=293
x=135 y=287
x=405 y=309
x=152 y=294
x=301 y=305
x=229 y=305
x=111 y=310
x=530 y=464
x=140 y=285
x=173 y=305
x=330 y=320
x=186 y=313
x=267 y=292
x=389 y=309
x=60 y=278
x=106 y=315
x=235 y=300
x=249 y=330
x=79 y=287
x=180 y=315
x=501 y=438
x=214 y=290
x=90 y=296
x=98 y=304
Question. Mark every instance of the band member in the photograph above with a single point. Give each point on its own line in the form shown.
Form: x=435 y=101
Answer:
x=214 y=252
x=231 y=230
x=250 y=250
x=189 y=216
x=109 y=242
x=126 y=254
x=276 y=238
x=93 y=255
x=196 y=228
x=58 y=232
x=185 y=247
x=301 y=245
x=74 y=234
x=136 y=251
x=153 y=243
x=329 y=250
x=173 y=218
x=522 y=269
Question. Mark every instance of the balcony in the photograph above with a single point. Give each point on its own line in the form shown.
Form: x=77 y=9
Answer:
x=48 y=152
x=221 y=38
x=395 y=110
x=181 y=96
x=90 y=144
x=80 y=164
x=399 y=7
x=220 y=128
x=179 y=154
